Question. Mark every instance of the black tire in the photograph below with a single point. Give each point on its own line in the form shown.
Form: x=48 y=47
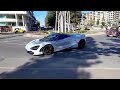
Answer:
x=16 y=32
x=47 y=49
x=107 y=35
x=81 y=44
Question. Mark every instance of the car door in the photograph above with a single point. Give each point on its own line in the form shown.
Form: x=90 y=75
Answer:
x=73 y=42
x=62 y=42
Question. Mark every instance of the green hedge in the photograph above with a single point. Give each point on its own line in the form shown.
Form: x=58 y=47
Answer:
x=76 y=32
x=82 y=31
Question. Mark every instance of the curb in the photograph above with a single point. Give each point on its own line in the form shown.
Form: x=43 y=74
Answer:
x=34 y=36
x=40 y=36
x=95 y=34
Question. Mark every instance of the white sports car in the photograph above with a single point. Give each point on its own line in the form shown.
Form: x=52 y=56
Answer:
x=55 y=42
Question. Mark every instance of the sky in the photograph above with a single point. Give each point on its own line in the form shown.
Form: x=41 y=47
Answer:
x=40 y=16
x=86 y=11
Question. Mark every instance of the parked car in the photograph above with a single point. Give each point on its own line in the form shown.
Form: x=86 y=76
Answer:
x=55 y=42
x=114 y=32
x=18 y=30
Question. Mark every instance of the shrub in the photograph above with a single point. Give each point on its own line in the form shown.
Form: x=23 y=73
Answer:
x=82 y=31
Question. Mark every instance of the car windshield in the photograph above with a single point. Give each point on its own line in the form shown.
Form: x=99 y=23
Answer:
x=54 y=37
x=50 y=37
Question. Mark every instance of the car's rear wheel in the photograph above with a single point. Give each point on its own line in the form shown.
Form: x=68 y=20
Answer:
x=16 y=32
x=107 y=35
x=81 y=44
x=47 y=49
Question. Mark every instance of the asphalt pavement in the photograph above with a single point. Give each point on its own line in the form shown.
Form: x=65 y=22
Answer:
x=100 y=59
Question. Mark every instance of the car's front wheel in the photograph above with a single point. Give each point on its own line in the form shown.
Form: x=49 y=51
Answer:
x=81 y=44
x=47 y=49
x=23 y=31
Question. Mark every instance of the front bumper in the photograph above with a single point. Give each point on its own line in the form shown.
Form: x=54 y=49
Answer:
x=30 y=52
x=33 y=52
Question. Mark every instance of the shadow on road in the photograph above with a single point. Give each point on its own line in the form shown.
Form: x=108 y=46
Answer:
x=114 y=47
x=62 y=65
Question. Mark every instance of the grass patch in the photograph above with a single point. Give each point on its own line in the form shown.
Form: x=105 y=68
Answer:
x=81 y=31
x=42 y=32
x=75 y=32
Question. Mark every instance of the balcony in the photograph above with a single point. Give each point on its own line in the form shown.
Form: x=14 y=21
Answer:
x=7 y=20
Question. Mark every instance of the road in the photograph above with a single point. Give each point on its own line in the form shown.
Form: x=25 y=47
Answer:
x=100 y=59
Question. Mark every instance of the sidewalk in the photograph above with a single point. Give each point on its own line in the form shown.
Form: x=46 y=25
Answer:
x=87 y=34
x=33 y=35
x=96 y=33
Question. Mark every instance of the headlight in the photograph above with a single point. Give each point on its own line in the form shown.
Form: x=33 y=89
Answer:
x=35 y=47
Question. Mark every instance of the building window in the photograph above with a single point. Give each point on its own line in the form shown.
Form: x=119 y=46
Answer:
x=7 y=24
x=2 y=16
x=10 y=16
x=2 y=24
x=13 y=24
x=19 y=16
x=7 y=16
x=20 y=24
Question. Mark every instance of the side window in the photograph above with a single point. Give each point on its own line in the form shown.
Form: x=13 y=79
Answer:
x=62 y=37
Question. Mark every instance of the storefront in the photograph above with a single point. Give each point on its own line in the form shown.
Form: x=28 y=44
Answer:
x=5 y=29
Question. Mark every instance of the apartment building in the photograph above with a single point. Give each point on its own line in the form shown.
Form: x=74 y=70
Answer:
x=101 y=16
x=104 y=16
x=89 y=18
x=113 y=16
x=17 y=19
